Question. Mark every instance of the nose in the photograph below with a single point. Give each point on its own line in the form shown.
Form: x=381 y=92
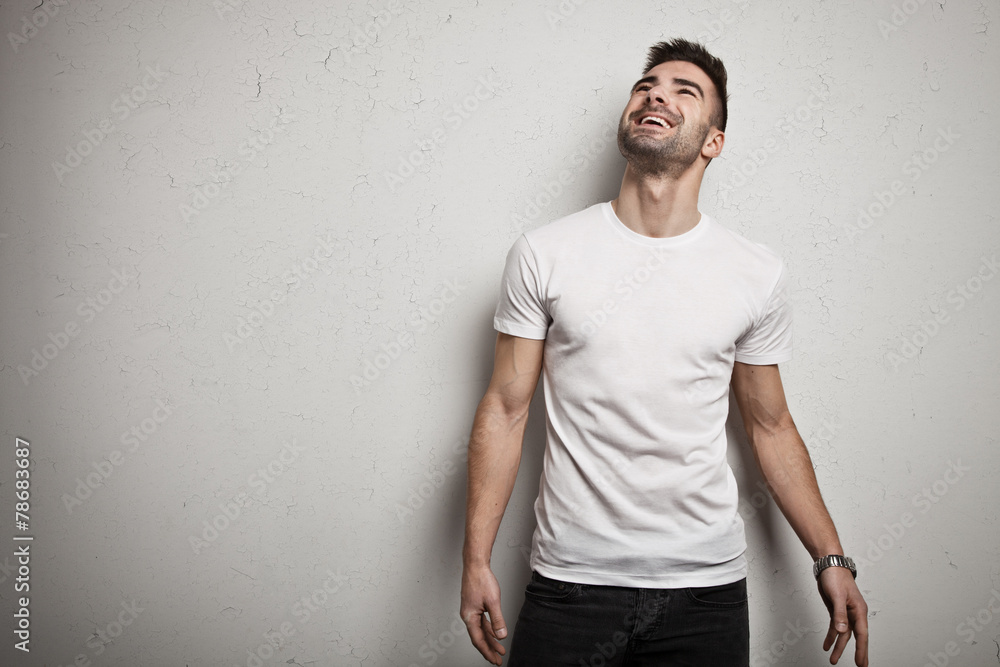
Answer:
x=657 y=97
x=656 y=94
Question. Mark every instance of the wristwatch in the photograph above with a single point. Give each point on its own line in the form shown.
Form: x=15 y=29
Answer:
x=835 y=560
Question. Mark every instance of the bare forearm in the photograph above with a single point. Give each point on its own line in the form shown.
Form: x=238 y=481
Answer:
x=494 y=457
x=787 y=468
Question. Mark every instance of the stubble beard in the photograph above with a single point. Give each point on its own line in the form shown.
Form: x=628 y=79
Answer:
x=651 y=155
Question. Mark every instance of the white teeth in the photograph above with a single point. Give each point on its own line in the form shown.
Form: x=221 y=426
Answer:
x=654 y=119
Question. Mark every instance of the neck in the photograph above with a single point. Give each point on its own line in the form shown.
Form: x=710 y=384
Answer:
x=658 y=205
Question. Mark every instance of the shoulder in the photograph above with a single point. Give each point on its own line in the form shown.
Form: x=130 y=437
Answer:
x=563 y=231
x=752 y=255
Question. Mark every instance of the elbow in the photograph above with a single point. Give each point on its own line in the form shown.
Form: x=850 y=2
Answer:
x=505 y=408
x=766 y=425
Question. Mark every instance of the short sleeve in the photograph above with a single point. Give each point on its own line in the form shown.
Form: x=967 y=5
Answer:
x=769 y=340
x=521 y=310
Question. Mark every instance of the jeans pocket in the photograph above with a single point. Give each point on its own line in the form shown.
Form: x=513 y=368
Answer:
x=545 y=588
x=723 y=595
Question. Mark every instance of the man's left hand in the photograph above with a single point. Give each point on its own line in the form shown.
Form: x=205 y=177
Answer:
x=848 y=613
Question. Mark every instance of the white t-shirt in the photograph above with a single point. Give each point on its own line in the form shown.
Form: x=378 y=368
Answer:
x=640 y=338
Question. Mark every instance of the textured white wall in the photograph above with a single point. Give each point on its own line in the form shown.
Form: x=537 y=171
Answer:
x=271 y=247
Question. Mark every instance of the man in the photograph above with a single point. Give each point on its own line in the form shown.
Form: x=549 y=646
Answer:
x=643 y=311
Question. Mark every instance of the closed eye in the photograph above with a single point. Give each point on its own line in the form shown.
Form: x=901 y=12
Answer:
x=646 y=86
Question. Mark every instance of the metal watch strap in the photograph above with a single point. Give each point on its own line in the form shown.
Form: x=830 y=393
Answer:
x=834 y=560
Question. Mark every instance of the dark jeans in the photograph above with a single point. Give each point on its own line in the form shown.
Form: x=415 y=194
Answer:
x=582 y=625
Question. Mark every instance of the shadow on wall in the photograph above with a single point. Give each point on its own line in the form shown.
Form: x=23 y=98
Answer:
x=432 y=573
x=513 y=543
x=768 y=553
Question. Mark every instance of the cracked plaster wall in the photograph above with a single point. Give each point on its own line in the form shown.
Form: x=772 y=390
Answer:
x=250 y=253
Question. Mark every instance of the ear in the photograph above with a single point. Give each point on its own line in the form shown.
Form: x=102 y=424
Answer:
x=713 y=143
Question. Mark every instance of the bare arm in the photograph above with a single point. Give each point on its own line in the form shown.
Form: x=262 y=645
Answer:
x=495 y=444
x=788 y=471
x=782 y=456
x=494 y=457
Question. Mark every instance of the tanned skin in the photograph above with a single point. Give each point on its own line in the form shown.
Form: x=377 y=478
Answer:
x=658 y=198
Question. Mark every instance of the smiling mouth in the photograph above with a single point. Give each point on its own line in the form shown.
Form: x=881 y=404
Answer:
x=654 y=123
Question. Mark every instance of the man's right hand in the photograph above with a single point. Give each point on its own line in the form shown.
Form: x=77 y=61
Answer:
x=494 y=456
x=481 y=596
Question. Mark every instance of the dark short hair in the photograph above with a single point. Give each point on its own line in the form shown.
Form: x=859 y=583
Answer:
x=692 y=52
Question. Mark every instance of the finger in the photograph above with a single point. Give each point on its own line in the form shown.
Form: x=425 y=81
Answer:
x=495 y=644
x=838 y=621
x=478 y=638
x=839 y=647
x=831 y=635
x=860 y=618
x=496 y=617
x=861 y=652
x=861 y=648
x=840 y=617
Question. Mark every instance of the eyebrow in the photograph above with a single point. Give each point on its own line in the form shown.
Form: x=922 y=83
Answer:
x=680 y=82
